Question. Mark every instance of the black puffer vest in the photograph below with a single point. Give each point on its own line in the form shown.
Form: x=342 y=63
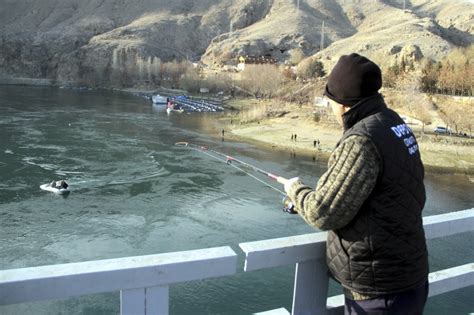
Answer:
x=383 y=249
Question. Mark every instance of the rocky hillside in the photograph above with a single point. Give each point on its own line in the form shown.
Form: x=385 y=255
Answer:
x=112 y=42
x=388 y=33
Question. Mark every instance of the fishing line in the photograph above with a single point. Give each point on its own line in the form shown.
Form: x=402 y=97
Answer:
x=229 y=160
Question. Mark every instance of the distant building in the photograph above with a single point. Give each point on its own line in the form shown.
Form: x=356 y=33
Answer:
x=242 y=61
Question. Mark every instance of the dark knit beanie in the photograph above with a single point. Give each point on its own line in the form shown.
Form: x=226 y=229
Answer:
x=353 y=78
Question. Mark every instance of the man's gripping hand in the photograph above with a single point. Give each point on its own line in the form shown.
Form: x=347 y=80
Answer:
x=289 y=182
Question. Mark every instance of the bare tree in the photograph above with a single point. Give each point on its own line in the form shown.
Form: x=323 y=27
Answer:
x=219 y=82
x=409 y=87
x=420 y=112
x=466 y=122
x=172 y=72
x=191 y=81
x=455 y=115
x=262 y=80
x=429 y=75
x=455 y=76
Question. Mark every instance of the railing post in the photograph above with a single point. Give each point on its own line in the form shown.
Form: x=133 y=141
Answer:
x=132 y=302
x=311 y=288
x=157 y=300
x=145 y=301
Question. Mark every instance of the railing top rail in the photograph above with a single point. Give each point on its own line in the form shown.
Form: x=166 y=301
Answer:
x=449 y=223
x=59 y=281
x=283 y=251
x=133 y=262
x=294 y=249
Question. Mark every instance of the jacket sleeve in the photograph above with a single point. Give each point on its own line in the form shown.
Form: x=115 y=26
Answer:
x=353 y=169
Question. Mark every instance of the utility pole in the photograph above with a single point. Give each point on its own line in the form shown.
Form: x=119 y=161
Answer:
x=404 y=4
x=231 y=24
x=322 y=37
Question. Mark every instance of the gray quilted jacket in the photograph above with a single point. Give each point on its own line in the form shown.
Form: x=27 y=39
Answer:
x=340 y=192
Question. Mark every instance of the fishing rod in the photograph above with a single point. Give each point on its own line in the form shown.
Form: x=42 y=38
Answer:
x=229 y=160
x=288 y=206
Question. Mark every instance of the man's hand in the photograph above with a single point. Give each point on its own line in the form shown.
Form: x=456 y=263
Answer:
x=287 y=183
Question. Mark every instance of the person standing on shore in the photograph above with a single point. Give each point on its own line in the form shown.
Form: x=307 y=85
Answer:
x=370 y=199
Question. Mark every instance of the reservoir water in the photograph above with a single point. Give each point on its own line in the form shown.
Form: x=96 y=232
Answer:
x=135 y=193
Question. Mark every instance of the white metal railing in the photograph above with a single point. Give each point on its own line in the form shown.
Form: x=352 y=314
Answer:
x=143 y=281
x=308 y=252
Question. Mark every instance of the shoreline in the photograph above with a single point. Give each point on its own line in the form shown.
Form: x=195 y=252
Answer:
x=274 y=133
x=323 y=156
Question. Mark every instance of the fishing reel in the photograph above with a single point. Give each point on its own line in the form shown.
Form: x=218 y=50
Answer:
x=288 y=206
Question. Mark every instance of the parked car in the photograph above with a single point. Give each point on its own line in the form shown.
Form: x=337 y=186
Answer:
x=442 y=130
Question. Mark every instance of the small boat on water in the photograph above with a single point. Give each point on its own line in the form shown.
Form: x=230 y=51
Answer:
x=59 y=189
x=158 y=99
x=170 y=110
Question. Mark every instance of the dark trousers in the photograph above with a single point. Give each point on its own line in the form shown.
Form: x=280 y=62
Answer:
x=409 y=302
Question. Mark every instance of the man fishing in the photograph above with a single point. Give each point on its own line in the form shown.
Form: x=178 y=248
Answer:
x=370 y=199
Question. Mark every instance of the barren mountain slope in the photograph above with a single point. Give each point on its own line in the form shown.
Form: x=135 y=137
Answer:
x=389 y=33
x=287 y=26
x=112 y=42
x=455 y=18
x=66 y=40
x=448 y=13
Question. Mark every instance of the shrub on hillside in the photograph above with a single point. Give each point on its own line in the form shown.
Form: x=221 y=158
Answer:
x=288 y=73
x=296 y=55
x=310 y=68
